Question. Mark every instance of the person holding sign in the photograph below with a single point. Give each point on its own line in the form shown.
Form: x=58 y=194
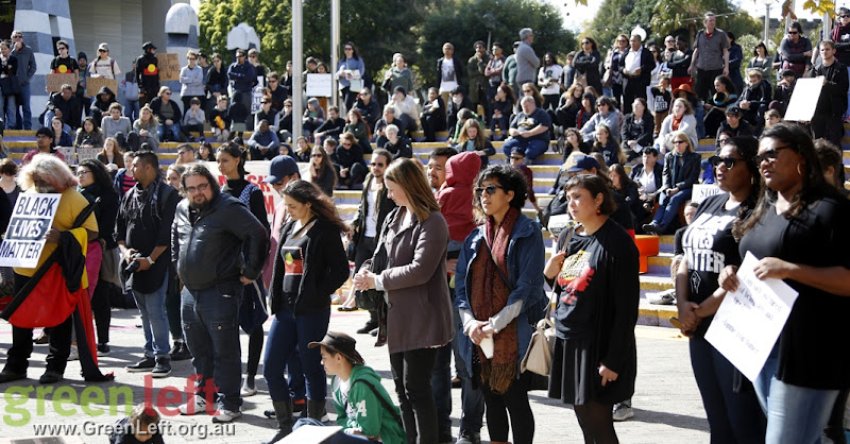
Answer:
x=799 y=232
x=595 y=275
x=733 y=413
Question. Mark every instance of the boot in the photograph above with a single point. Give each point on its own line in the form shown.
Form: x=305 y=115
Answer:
x=316 y=410
x=283 y=414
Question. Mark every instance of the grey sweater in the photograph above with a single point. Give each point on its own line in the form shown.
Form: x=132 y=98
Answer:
x=110 y=127
x=527 y=64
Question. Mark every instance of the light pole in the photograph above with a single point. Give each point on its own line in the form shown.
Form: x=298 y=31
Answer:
x=297 y=67
x=334 y=50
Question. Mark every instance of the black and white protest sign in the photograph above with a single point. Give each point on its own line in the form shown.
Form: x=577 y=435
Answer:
x=31 y=219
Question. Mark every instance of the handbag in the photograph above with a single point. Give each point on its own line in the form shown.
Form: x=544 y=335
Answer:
x=252 y=309
x=538 y=357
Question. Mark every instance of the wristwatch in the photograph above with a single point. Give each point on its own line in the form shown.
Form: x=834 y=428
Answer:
x=150 y=261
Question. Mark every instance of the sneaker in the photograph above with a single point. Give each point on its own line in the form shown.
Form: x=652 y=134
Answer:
x=224 y=415
x=180 y=351
x=469 y=438
x=623 y=411
x=50 y=377
x=367 y=328
x=456 y=382
x=248 y=388
x=103 y=349
x=195 y=405
x=162 y=367
x=75 y=354
x=145 y=365
x=666 y=297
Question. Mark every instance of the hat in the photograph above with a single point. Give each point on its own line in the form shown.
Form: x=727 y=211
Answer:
x=281 y=167
x=843 y=11
x=148 y=45
x=583 y=163
x=518 y=150
x=733 y=111
x=340 y=343
x=44 y=131
x=103 y=47
x=82 y=55
x=525 y=32
x=684 y=87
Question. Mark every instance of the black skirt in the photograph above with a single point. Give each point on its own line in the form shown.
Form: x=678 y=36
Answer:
x=575 y=379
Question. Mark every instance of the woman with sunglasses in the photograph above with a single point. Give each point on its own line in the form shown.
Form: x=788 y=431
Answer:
x=192 y=81
x=419 y=320
x=586 y=64
x=681 y=172
x=681 y=118
x=798 y=232
x=595 y=276
x=608 y=114
x=733 y=412
x=499 y=278
x=322 y=172
x=350 y=70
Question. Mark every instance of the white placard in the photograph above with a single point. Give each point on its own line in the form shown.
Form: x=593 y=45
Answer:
x=704 y=191
x=87 y=153
x=311 y=434
x=32 y=217
x=804 y=100
x=749 y=321
x=319 y=85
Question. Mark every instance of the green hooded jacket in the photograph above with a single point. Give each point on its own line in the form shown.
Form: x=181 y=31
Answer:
x=363 y=412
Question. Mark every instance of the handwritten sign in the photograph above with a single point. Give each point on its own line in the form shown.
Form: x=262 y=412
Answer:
x=55 y=81
x=257 y=171
x=319 y=85
x=169 y=66
x=87 y=153
x=749 y=321
x=702 y=192
x=93 y=85
x=31 y=218
x=804 y=100
x=68 y=153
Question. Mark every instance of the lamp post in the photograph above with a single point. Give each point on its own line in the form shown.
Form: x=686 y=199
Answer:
x=297 y=67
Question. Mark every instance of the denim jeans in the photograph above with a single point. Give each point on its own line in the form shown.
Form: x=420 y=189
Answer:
x=23 y=100
x=131 y=109
x=154 y=320
x=732 y=417
x=211 y=328
x=532 y=148
x=412 y=377
x=172 y=131
x=441 y=381
x=668 y=208
x=287 y=334
x=8 y=110
x=794 y=414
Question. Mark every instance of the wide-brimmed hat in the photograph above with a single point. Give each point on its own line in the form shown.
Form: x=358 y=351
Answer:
x=684 y=87
x=340 y=343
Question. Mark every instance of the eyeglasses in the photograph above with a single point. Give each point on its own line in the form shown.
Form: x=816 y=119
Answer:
x=379 y=165
x=679 y=142
x=844 y=16
x=19 y=36
x=315 y=155
x=198 y=189
x=770 y=155
x=81 y=173
x=167 y=93
x=728 y=162
x=585 y=42
x=489 y=189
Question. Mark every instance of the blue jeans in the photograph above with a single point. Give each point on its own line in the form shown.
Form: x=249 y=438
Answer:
x=131 y=109
x=23 y=100
x=7 y=110
x=794 y=414
x=154 y=320
x=211 y=328
x=172 y=131
x=441 y=382
x=732 y=417
x=532 y=148
x=471 y=396
x=288 y=333
x=668 y=208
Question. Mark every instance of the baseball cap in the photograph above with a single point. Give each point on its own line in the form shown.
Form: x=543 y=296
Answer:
x=281 y=167
x=583 y=163
x=340 y=343
x=103 y=47
x=733 y=111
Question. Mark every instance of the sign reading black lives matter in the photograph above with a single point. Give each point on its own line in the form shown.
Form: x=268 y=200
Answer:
x=31 y=218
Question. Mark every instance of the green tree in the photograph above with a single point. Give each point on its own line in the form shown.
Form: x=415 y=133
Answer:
x=629 y=13
x=686 y=16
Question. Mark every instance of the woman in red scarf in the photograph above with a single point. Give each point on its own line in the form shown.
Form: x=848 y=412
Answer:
x=499 y=281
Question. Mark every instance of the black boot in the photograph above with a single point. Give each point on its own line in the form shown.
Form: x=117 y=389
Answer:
x=283 y=414
x=316 y=410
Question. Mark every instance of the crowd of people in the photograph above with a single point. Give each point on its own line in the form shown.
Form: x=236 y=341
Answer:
x=444 y=259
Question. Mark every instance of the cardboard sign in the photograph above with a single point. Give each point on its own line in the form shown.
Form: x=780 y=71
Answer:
x=702 y=192
x=319 y=85
x=87 y=153
x=749 y=320
x=93 y=85
x=169 y=66
x=68 y=152
x=55 y=82
x=32 y=217
x=804 y=100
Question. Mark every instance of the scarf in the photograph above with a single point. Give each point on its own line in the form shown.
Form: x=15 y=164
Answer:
x=676 y=121
x=489 y=295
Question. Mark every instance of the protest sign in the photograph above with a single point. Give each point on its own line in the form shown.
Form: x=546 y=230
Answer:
x=804 y=100
x=169 y=66
x=702 y=192
x=87 y=153
x=749 y=320
x=319 y=85
x=55 y=81
x=32 y=217
x=93 y=85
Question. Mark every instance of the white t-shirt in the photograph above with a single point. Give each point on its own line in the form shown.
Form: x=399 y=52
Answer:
x=546 y=73
x=448 y=77
x=646 y=181
x=372 y=213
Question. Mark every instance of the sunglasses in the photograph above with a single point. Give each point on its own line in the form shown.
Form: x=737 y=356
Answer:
x=770 y=155
x=793 y=32
x=315 y=155
x=489 y=189
x=679 y=142
x=729 y=162
x=844 y=16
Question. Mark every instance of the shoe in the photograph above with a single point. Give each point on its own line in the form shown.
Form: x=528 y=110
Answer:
x=469 y=438
x=9 y=376
x=298 y=404
x=248 y=388
x=316 y=410
x=44 y=338
x=195 y=405
x=145 y=365
x=367 y=328
x=623 y=411
x=103 y=349
x=75 y=354
x=346 y=309
x=180 y=351
x=224 y=415
x=162 y=367
x=456 y=382
x=374 y=332
x=650 y=228
x=50 y=377
x=666 y=297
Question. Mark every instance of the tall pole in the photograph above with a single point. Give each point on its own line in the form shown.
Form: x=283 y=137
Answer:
x=766 y=21
x=297 y=68
x=334 y=49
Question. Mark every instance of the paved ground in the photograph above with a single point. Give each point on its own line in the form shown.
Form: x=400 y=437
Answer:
x=667 y=403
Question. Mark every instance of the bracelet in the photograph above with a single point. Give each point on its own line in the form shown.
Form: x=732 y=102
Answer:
x=150 y=261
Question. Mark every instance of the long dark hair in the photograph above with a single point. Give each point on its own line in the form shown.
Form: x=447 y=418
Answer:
x=814 y=184
x=510 y=179
x=747 y=148
x=101 y=176
x=320 y=204
x=324 y=167
x=235 y=151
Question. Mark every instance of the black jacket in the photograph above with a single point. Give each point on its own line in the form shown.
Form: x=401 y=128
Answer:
x=218 y=244
x=639 y=131
x=637 y=171
x=72 y=109
x=833 y=96
x=148 y=80
x=683 y=177
x=647 y=64
x=385 y=205
x=156 y=107
x=325 y=270
x=460 y=69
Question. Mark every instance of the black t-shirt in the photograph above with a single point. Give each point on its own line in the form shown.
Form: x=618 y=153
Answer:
x=66 y=65
x=813 y=344
x=709 y=246
x=526 y=122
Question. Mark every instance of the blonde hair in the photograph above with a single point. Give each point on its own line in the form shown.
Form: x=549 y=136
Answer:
x=46 y=173
x=684 y=135
x=409 y=175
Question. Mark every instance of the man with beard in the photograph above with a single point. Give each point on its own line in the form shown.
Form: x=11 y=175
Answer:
x=211 y=234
